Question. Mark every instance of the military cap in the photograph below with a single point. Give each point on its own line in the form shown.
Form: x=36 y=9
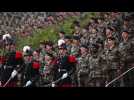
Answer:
x=84 y=46
x=76 y=37
x=110 y=28
x=95 y=46
x=63 y=46
x=67 y=37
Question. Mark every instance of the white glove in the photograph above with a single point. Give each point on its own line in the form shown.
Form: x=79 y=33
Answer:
x=28 y=83
x=53 y=85
x=14 y=73
x=64 y=76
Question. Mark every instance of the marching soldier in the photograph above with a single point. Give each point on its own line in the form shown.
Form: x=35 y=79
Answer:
x=31 y=68
x=66 y=64
x=14 y=62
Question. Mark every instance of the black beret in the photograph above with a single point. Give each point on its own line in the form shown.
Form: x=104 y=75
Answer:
x=76 y=37
x=67 y=37
x=62 y=32
x=84 y=46
x=50 y=54
x=95 y=46
x=63 y=46
x=110 y=28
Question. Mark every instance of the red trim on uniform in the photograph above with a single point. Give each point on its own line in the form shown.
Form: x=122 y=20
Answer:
x=72 y=59
x=18 y=55
x=2 y=59
x=36 y=65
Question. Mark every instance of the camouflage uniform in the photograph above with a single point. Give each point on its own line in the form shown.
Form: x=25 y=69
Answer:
x=83 y=70
x=96 y=71
x=113 y=58
x=74 y=50
x=69 y=49
x=127 y=52
x=47 y=74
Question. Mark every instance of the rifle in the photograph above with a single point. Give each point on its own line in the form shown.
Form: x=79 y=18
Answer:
x=115 y=79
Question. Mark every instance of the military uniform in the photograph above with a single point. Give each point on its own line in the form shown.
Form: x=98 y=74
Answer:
x=31 y=73
x=14 y=61
x=74 y=50
x=83 y=70
x=96 y=76
x=113 y=58
x=47 y=73
x=127 y=52
x=65 y=64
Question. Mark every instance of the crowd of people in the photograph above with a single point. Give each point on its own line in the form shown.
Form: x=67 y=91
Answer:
x=92 y=56
x=24 y=23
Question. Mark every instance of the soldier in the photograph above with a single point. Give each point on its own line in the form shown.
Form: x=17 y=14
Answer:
x=61 y=34
x=82 y=68
x=42 y=50
x=84 y=36
x=66 y=64
x=77 y=29
x=127 y=52
x=47 y=71
x=49 y=48
x=68 y=43
x=13 y=62
x=96 y=68
x=31 y=69
x=113 y=58
x=110 y=33
x=75 y=46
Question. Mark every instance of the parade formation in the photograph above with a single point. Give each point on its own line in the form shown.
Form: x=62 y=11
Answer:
x=101 y=54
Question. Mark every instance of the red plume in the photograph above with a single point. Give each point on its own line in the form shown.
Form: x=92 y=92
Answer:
x=18 y=55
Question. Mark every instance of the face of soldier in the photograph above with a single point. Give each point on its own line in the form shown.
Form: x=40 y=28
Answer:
x=84 y=30
x=99 y=21
x=35 y=55
x=48 y=48
x=66 y=41
x=61 y=35
x=12 y=48
x=76 y=28
x=27 y=59
x=48 y=59
x=7 y=47
x=62 y=52
x=111 y=43
x=125 y=23
x=41 y=46
x=83 y=50
x=124 y=35
x=108 y=33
